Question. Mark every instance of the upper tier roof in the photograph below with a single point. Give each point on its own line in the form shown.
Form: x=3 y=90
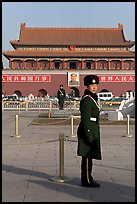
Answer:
x=72 y=36
x=73 y=54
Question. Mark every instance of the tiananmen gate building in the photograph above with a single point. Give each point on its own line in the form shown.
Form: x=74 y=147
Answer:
x=44 y=58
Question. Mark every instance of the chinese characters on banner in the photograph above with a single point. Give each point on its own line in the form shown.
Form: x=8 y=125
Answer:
x=116 y=78
x=47 y=78
x=26 y=78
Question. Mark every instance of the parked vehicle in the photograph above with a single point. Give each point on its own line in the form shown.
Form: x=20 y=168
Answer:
x=115 y=100
x=10 y=98
x=105 y=95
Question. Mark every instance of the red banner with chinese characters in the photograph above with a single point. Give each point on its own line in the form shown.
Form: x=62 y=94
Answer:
x=116 y=78
x=26 y=78
x=47 y=78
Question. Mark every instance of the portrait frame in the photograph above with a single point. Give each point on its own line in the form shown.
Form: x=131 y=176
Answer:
x=73 y=83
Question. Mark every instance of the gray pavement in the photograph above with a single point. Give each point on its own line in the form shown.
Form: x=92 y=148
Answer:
x=29 y=162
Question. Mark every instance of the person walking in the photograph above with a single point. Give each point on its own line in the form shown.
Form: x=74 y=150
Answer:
x=61 y=95
x=88 y=131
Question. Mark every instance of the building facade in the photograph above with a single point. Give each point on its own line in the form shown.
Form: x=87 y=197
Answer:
x=44 y=58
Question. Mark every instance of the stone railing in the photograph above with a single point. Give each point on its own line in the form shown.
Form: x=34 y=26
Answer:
x=38 y=105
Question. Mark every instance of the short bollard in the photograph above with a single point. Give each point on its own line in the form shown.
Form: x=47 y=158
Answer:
x=72 y=126
x=61 y=146
x=128 y=134
x=61 y=178
x=49 y=114
x=16 y=126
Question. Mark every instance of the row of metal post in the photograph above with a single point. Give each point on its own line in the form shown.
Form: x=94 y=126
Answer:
x=62 y=178
x=72 y=126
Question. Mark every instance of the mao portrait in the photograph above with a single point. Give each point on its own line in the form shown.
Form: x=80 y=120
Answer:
x=73 y=79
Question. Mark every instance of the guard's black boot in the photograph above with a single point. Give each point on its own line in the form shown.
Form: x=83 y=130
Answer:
x=89 y=183
x=84 y=181
x=94 y=184
x=86 y=178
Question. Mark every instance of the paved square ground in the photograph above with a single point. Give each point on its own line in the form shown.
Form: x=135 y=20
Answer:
x=30 y=161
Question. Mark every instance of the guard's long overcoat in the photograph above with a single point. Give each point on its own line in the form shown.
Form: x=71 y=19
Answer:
x=88 y=128
x=61 y=94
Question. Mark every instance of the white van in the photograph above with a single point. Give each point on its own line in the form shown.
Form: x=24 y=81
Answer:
x=13 y=97
x=105 y=95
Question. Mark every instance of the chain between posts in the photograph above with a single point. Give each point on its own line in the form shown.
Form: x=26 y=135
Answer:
x=41 y=142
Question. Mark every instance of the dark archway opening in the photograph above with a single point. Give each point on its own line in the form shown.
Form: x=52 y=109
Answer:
x=74 y=92
x=73 y=65
x=42 y=93
x=18 y=93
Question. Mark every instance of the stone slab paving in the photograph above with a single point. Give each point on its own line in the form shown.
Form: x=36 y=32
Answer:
x=29 y=163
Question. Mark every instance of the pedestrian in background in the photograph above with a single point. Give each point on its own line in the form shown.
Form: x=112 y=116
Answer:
x=89 y=131
x=61 y=95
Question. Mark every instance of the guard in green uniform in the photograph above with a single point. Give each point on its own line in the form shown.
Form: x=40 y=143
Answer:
x=61 y=95
x=89 y=131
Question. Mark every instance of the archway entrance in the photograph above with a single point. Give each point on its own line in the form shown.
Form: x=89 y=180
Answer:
x=18 y=93
x=42 y=93
x=74 y=92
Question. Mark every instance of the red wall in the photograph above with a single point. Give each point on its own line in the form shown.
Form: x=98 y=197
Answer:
x=117 y=88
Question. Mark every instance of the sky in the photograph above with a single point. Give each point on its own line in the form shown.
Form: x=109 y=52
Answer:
x=65 y=14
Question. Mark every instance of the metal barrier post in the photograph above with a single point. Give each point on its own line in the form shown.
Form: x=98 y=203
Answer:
x=27 y=105
x=128 y=119
x=39 y=107
x=49 y=114
x=128 y=134
x=72 y=125
x=2 y=105
x=18 y=107
x=61 y=178
x=16 y=126
x=61 y=154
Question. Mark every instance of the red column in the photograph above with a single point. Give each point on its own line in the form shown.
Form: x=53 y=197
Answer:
x=95 y=64
x=24 y=64
x=108 y=64
x=132 y=65
x=51 y=64
x=67 y=65
x=63 y=65
x=82 y=65
x=10 y=64
x=36 y=67
x=48 y=64
x=122 y=64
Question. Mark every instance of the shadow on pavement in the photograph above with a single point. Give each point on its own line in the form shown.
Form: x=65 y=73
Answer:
x=112 y=192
